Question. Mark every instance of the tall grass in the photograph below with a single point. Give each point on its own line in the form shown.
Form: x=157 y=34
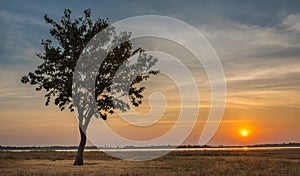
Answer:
x=177 y=163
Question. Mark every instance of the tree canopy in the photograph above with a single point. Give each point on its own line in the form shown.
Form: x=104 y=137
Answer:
x=60 y=56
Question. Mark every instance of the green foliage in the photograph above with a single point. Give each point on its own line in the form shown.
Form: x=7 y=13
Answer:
x=62 y=52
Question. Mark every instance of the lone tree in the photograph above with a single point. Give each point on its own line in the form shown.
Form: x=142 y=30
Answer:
x=56 y=73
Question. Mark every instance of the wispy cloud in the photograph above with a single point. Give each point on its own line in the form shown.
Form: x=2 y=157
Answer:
x=292 y=23
x=18 y=46
x=18 y=20
x=261 y=63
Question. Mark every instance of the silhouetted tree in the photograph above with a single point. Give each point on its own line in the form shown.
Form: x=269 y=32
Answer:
x=56 y=73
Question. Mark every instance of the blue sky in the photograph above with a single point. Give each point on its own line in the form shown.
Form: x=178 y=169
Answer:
x=257 y=42
x=23 y=20
x=23 y=25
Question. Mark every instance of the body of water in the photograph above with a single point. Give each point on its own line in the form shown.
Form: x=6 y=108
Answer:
x=170 y=149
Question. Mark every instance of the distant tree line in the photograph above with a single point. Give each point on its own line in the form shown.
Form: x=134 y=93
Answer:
x=291 y=144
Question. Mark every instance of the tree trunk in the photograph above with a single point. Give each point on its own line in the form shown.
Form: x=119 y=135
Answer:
x=79 y=156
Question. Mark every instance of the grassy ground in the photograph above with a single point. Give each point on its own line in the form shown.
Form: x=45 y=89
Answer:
x=272 y=162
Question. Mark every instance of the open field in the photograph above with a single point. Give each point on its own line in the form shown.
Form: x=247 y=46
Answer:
x=259 y=162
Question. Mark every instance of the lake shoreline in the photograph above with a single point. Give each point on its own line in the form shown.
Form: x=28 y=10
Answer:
x=158 y=149
x=154 y=148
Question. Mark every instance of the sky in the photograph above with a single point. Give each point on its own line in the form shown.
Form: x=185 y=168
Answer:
x=257 y=43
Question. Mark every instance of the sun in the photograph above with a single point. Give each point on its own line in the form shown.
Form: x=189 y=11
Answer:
x=244 y=133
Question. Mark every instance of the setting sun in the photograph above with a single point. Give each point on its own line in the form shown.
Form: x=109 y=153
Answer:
x=244 y=133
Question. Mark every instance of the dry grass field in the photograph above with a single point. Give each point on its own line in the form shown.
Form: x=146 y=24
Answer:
x=259 y=162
